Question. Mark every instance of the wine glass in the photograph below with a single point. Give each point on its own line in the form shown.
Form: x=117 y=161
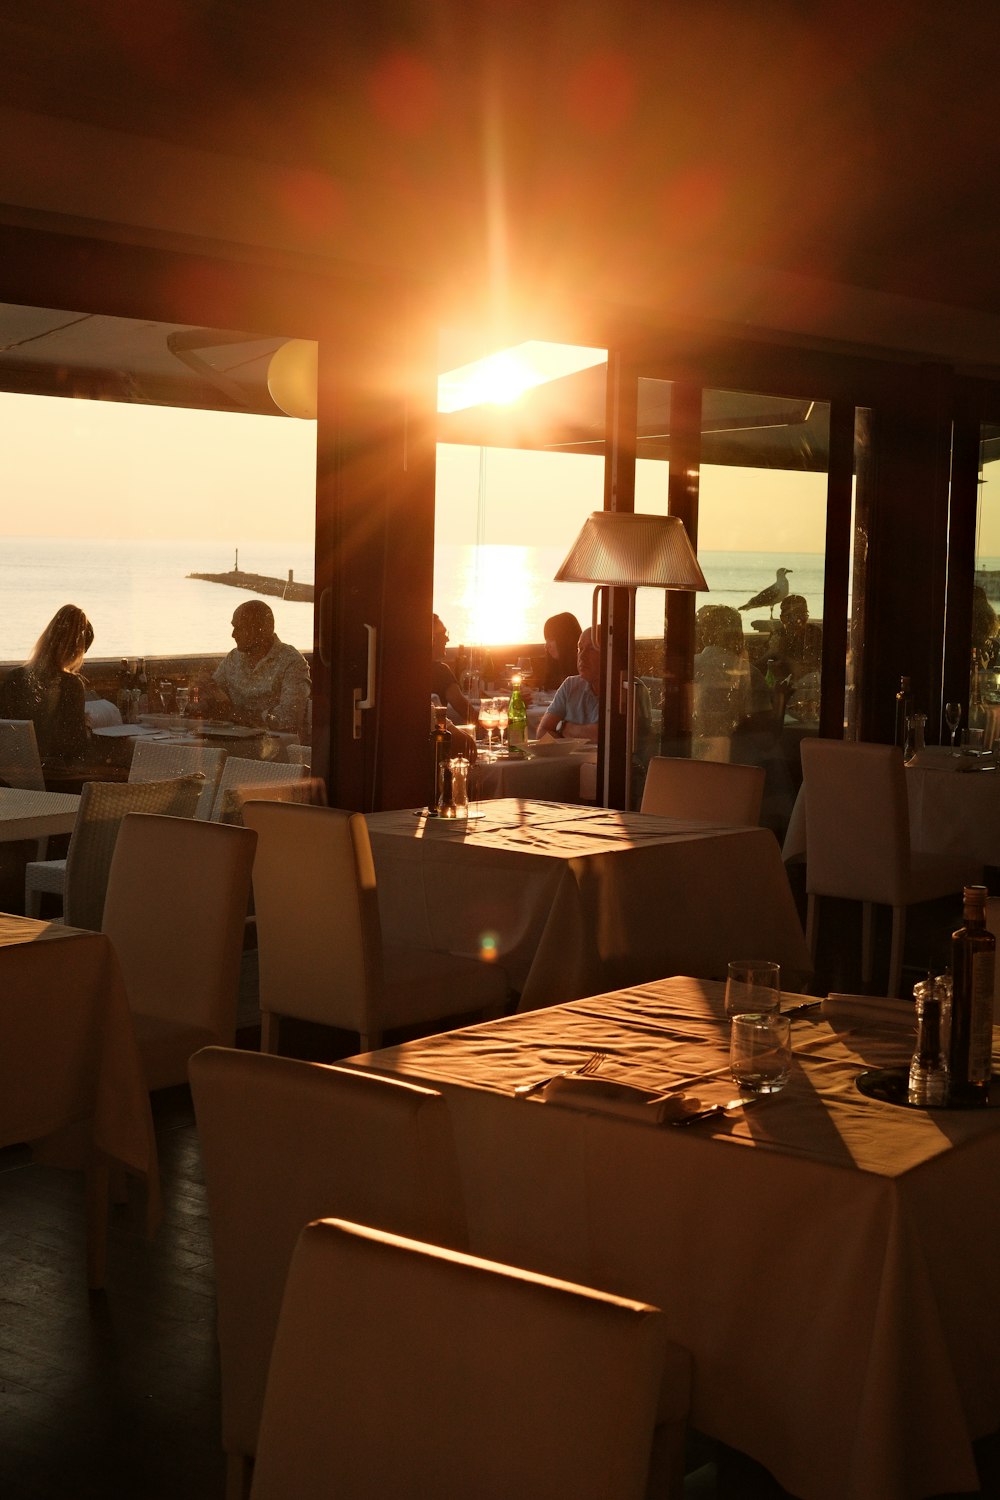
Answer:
x=953 y=717
x=526 y=668
x=489 y=720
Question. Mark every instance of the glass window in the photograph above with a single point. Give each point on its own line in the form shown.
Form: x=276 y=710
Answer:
x=984 y=680
x=520 y=465
x=758 y=630
x=154 y=515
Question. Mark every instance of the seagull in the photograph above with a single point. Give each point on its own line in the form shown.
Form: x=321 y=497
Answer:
x=771 y=595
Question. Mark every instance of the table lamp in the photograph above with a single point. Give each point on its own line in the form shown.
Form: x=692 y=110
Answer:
x=626 y=550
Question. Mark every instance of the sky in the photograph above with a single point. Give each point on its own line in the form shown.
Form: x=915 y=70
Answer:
x=103 y=469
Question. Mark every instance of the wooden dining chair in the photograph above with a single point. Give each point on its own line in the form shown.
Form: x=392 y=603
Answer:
x=176 y=905
x=155 y=760
x=314 y=864
x=284 y=1142
x=489 y=1381
x=81 y=878
x=707 y=790
x=858 y=843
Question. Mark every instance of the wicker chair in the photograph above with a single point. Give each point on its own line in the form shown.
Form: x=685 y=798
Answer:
x=239 y=775
x=82 y=877
x=154 y=760
x=21 y=764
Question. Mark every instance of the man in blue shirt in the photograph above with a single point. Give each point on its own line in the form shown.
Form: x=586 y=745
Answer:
x=576 y=708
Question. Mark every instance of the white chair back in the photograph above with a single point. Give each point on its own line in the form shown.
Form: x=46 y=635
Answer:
x=20 y=762
x=284 y=1142
x=242 y=777
x=857 y=821
x=312 y=861
x=491 y=1381
x=178 y=891
x=706 y=790
x=156 y=760
x=858 y=843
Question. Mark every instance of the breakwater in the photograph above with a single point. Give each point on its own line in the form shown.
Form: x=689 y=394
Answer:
x=259 y=583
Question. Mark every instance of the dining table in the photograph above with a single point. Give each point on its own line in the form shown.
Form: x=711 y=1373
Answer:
x=827 y=1255
x=953 y=799
x=573 y=900
x=176 y=729
x=551 y=775
x=71 y=1079
x=35 y=815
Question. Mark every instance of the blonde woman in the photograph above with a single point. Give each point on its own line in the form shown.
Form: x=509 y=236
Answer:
x=49 y=690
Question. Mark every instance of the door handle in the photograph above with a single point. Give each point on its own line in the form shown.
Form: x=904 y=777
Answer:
x=368 y=701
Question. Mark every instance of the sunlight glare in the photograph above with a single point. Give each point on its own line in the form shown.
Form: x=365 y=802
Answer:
x=500 y=378
x=499 y=599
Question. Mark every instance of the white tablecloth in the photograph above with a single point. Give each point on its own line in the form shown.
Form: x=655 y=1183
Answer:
x=575 y=900
x=829 y=1260
x=71 y=1079
x=554 y=779
x=953 y=809
x=35 y=815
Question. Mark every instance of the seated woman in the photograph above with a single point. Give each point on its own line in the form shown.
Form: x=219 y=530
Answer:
x=561 y=635
x=49 y=690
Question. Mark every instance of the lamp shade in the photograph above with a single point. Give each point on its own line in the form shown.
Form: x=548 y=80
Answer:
x=628 y=551
x=291 y=377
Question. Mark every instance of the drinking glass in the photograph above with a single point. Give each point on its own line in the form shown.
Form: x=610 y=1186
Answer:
x=953 y=717
x=488 y=720
x=181 y=697
x=753 y=984
x=502 y=719
x=760 y=1051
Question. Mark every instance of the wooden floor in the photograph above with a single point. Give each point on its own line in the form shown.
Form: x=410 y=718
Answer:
x=117 y=1395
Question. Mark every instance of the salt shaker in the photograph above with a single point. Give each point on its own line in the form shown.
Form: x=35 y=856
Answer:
x=929 y=1075
x=460 y=785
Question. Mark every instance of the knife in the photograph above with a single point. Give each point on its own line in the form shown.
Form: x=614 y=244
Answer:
x=802 y=1010
x=714 y=1109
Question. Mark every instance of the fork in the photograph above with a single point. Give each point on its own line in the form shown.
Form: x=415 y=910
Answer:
x=593 y=1062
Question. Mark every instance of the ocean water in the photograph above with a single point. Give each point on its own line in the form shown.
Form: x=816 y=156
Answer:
x=504 y=594
x=142 y=603
x=137 y=593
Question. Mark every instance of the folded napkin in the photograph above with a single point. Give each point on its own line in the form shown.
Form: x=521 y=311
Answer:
x=871 y=1008
x=605 y=1096
x=100 y=714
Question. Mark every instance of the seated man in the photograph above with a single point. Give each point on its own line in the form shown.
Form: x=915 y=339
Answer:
x=263 y=681
x=575 y=710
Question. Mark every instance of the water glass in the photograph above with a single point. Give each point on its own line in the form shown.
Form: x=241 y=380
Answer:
x=760 y=1051
x=753 y=984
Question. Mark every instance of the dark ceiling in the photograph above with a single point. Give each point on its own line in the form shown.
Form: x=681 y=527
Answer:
x=852 y=141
